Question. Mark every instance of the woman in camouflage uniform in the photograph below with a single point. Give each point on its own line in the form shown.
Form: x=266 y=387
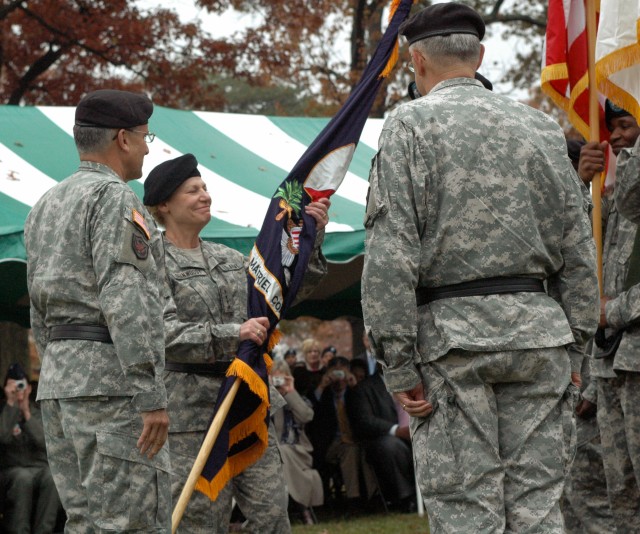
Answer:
x=209 y=285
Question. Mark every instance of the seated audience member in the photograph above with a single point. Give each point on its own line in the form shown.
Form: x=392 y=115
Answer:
x=303 y=482
x=308 y=375
x=328 y=354
x=330 y=432
x=291 y=357
x=359 y=369
x=387 y=444
x=30 y=498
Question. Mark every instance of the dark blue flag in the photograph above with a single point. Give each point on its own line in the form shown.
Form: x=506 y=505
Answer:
x=279 y=259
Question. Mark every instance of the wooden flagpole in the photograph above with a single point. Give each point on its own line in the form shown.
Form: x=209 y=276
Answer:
x=203 y=455
x=594 y=133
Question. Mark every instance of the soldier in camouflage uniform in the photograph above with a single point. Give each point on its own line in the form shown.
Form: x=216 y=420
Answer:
x=618 y=375
x=209 y=285
x=585 y=503
x=95 y=277
x=473 y=203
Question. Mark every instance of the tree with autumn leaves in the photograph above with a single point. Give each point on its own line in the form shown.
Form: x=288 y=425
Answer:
x=54 y=51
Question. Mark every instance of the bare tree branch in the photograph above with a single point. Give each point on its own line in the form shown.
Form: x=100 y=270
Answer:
x=36 y=69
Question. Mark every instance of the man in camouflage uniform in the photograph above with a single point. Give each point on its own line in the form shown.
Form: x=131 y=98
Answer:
x=208 y=282
x=94 y=273
x=618 y=372
x=585 y=503
x=473 y=203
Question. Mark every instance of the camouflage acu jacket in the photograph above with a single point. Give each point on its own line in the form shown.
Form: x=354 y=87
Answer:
x=211 y=303
x=95 y=258
x=467 y=185
x=623 y=310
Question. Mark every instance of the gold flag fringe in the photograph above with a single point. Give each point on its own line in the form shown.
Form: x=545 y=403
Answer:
x=254 y=424
x=395 y=53
x=616 y=61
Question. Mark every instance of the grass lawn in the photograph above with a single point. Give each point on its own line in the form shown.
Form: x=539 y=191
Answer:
x=367 y=524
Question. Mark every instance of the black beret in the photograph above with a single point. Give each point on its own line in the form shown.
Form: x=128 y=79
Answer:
x=611 y=111
x=442 y=19
x=164 y=179
x=110 y=108
x=15 y=372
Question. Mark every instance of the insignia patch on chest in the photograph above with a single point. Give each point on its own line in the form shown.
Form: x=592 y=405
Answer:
x=139 y=221
x=140 y=247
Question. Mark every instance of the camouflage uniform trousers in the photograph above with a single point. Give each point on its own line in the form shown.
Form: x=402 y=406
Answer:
x=259 y=490
x=619 y=422
x=493 y=455
x=104 y=483
x=585 y=505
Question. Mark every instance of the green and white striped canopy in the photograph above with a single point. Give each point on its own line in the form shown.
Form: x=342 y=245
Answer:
x=242 y=158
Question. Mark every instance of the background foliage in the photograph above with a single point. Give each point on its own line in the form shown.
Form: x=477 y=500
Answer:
x=288 y=61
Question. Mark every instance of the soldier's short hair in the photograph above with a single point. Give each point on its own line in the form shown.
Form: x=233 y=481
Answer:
x=90 y=139
x=464 y=47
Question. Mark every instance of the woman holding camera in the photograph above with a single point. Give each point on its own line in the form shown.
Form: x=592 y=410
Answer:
x=209 y=286
x=30 y=502
x=303 y=482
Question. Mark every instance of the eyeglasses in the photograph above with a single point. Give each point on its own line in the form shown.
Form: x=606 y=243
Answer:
x=410 y=67
x=148 y=136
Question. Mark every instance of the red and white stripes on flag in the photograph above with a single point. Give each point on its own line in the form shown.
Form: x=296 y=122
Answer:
x=564 y=64
x=618 y=53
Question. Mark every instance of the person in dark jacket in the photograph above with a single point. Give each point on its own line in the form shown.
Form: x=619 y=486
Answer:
x=31 y=502
x=386 y=442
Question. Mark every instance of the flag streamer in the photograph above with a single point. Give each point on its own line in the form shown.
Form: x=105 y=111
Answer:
x=618 y=54
x=564 y=76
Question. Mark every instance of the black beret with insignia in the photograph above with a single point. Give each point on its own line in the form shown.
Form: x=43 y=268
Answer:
x=442 y=19
x=110 y=108
x=611 y=111
x=164 y=179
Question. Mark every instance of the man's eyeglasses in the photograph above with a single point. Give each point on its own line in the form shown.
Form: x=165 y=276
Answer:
x=148 y=136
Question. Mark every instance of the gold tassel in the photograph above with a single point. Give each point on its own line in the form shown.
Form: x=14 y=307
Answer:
x=254 y=424
x=395 y=53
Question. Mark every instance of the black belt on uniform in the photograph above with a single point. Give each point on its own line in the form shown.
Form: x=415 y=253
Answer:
x=80 y=331
x=218 y=369
x=474 y=288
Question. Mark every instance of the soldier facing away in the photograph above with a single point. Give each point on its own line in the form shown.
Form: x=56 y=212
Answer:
x=474 y=210
x=94 y=277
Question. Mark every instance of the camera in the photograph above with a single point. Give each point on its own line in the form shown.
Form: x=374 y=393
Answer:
x=277 y=380
x=338 y=373
x=21 y=384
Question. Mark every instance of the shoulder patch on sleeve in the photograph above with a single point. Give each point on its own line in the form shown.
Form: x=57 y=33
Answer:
x=138 y=219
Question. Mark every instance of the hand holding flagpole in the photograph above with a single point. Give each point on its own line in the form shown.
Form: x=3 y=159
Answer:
x=203 y=455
